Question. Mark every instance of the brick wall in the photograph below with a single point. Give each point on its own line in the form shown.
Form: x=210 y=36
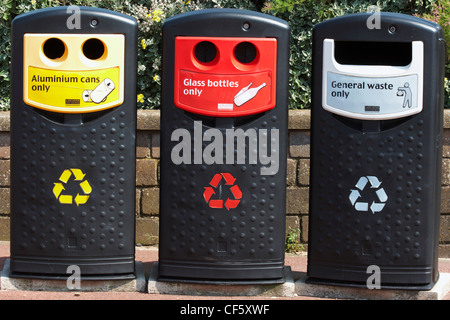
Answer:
x=147 y=177
x=444 y=237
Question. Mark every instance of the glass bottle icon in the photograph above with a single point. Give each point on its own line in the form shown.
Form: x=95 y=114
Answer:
x=246 y=94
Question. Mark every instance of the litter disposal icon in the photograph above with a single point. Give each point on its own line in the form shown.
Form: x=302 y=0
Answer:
x=374 y=206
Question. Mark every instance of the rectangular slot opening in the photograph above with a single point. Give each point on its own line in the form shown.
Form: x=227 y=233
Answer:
x=221 y=246
x=373 y=53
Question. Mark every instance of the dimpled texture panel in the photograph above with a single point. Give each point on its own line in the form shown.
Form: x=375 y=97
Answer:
x=400 y=238
x=43 y=227
x=397 y=159
x=251 y=230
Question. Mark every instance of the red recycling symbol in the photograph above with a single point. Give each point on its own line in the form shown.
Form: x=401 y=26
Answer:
x=219 y=203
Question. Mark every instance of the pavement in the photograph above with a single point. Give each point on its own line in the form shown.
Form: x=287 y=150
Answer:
x=148 y=257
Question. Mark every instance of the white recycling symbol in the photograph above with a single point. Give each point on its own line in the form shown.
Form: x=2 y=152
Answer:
x=364 y=206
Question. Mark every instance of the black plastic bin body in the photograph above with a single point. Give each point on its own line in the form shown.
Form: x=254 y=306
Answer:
x=73 y=160
x=223 y=221
x=376 y=168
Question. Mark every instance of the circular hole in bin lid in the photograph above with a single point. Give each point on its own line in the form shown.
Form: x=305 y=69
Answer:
x=205 y=52
x=93 y=49
x=54 y=48
x=245 y=52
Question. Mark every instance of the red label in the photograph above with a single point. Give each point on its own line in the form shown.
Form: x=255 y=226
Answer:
x=227 y=77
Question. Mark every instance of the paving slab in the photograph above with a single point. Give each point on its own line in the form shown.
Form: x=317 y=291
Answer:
x=438 y=292
x=123 y=285
x=296 y=290
x=286 y=289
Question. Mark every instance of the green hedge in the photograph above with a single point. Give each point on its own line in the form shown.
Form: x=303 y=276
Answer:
x=301 y=15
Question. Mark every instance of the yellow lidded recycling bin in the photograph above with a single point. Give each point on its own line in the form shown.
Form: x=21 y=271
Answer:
x=73 y=131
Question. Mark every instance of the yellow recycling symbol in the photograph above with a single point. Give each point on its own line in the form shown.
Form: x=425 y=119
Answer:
x=69 y=199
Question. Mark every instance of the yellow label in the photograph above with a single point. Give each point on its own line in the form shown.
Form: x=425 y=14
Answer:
x=73 y=91
x=73 y=82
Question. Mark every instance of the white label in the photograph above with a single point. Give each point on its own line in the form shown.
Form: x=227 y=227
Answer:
x=372 y=92
x=369 y=96
x=224 y=106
